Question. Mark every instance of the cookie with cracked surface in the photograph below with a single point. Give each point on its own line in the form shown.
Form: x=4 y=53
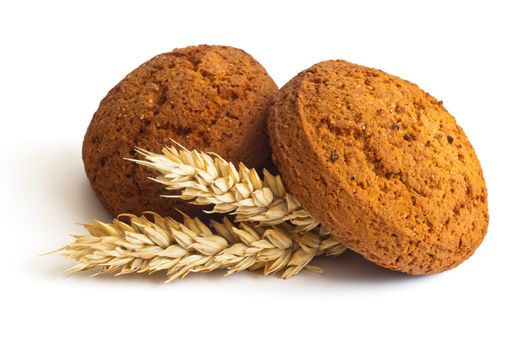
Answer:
x=211 y=98
x=382 y=165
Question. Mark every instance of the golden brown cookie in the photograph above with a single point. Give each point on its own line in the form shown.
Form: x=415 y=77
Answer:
x=211 y=98
x=382 y=165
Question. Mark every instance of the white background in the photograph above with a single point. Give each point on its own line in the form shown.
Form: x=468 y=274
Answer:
x=57 y=60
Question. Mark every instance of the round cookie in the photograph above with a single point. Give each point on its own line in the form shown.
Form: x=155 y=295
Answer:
x=382 y=165
x=211 y=98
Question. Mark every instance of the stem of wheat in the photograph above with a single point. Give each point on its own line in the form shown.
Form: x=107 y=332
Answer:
x=162 y=243
x=205 y=179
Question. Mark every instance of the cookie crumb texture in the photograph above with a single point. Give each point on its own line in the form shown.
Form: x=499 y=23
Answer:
x=382 y=165
x=211 y=98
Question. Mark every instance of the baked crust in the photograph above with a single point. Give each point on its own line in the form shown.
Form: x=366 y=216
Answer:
x=211 y=98
x=381 y=164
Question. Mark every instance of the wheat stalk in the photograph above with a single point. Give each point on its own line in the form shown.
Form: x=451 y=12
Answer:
x=205 y=179
x=147 y=245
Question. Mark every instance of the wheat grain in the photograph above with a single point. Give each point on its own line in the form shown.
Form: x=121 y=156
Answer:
x=162 y=243
x=205 y=179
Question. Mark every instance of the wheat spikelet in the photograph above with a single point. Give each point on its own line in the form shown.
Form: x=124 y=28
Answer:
x=205 y=179
x=151 y=245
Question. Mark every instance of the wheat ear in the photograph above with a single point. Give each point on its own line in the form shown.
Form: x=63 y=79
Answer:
x=205 y=179
x=161 y=243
